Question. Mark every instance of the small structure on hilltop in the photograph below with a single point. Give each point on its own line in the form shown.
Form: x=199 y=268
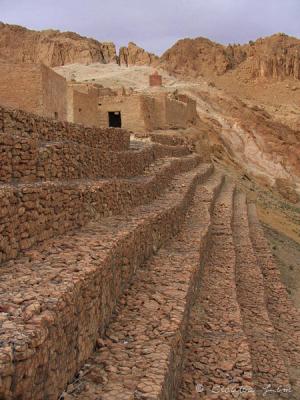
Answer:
x=155 y=79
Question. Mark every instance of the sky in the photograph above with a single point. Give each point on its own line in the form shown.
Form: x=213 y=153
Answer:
x=157 y=24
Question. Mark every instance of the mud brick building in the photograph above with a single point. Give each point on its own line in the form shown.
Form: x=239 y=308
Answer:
x=146 y=112
x=82 y=104
x=33 y=88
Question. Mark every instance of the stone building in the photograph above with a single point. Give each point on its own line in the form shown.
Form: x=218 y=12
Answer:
x=38 y=89
x=146 y=111
x=155 y=79
x=33 y=88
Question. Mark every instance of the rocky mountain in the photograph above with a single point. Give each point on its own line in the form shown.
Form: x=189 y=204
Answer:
x=135 y=55
x=275 y=57
x=55 y=48
x=51 y=47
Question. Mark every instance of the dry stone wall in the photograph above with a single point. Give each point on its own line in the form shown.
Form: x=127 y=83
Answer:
x=49 y=177
x=59 y=329
x=33 y=213
x=68 y=160
x=47 y=130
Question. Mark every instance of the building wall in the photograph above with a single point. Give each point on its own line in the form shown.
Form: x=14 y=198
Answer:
x=130 y=107
x=180 y=114
x=33 y=88
x=54 y=94
x=20 y=87
x=83 y=105
x=153 y=109
x=176 y=113
x=143 y=112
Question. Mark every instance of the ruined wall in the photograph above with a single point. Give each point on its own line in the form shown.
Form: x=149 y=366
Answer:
x=180 y=114
x=33 y=88
x=20 y=86
x=161 y=111
x=153 y=110
x=176 y=113
x=54 y=94
x=83 y=105
x=147 y=112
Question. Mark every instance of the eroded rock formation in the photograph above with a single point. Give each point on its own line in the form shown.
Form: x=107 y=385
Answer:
x=51 y=47
x=135 y=55
x=274 y=57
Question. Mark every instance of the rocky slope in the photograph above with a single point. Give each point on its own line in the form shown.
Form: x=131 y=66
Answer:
x=274 y=57
x=135 y=55
x=248 y=141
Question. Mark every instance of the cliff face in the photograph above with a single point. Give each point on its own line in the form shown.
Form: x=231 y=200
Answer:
x=275 y=57
x=196 y=57
x=53 y=48
x=135 y=55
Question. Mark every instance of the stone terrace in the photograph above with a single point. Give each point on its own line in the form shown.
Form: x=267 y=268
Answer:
x=130 y=271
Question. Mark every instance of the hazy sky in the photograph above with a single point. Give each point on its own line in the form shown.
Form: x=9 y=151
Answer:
x=157 y=24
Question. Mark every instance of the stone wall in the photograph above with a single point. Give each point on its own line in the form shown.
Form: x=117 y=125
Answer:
x=44 y=129
x=33 y=88
x=85 y=297
x=24 y=148
x=33 y=213
x=49 y=177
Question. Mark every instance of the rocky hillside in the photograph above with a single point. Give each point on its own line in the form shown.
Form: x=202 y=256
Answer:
x=274 y=57
x=55 y=48
x=135 y=55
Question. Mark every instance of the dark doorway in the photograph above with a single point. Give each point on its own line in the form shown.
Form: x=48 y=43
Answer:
x=114 y=119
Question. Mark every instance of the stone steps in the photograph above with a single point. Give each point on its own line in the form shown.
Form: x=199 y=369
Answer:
x=217 y=353
x=267 y=362
x=282 y=312
x=33 y=213
x=57 y=298
x=141 y=354
x=69 y=160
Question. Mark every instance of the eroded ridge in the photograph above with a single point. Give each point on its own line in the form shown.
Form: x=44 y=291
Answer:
x=269 y=370
x=58 y=297
x=283 y=314
x=217 y=355
x=141 y=355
